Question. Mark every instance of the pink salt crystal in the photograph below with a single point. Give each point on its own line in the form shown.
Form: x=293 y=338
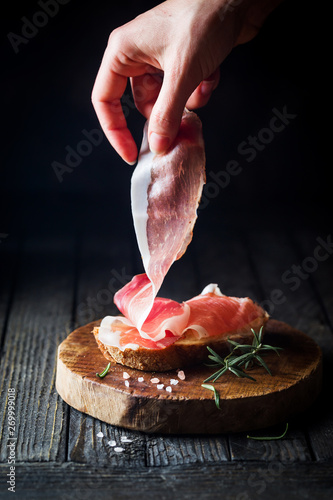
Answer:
x=181 y=375
x=155 y=380
x=126 y=375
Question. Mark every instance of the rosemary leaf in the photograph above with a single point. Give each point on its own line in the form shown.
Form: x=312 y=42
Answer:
x=262 y=362
x=270 y=438
x=256 y=339
x=236 y=372
x=266 y=348
x=104 y=372
x=215 y=356
x=244 y=375
x=240 y=360
x=233 y=342
x=216 y=394
x=245 y=347
x=218 y=374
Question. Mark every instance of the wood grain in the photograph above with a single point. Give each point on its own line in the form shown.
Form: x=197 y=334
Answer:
x=247 y=480
x=245 y=405
x=307 y=305
x=44 y=290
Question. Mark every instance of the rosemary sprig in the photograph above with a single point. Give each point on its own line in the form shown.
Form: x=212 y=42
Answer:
x=270 y=438
x=216 y=394
x=241 y=355
x=104 y=372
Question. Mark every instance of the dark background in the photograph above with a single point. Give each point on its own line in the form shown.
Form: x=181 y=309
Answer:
x=46 y=90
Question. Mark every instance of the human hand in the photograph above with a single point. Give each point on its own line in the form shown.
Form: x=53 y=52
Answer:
x=172 y=55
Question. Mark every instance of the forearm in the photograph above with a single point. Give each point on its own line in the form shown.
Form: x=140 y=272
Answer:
x=252 y=15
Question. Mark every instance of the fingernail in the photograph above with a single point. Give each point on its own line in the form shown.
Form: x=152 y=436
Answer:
x=131 y=162
x=158 y=143
x=207 y=87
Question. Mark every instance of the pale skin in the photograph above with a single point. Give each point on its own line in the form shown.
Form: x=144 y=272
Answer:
x=172 y=54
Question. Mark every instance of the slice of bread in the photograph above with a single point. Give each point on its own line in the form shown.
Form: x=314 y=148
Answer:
x=186 y=351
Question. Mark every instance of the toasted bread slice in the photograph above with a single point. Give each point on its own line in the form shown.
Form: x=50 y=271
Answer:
x=186 y=351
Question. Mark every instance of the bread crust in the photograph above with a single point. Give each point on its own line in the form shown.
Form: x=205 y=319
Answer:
x=184 y=352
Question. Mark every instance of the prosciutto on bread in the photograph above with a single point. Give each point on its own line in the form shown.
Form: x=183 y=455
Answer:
x=177 y=335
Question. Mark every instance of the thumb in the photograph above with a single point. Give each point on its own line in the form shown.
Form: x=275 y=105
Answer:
x=166 y=115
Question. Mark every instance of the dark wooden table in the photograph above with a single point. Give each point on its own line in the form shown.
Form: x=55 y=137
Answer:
x=56 y=275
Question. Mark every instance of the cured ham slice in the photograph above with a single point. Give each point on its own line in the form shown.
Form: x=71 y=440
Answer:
x=165 y=193
x=164 y=315
x=213 y=313
x=179 y=333
x=208 y=315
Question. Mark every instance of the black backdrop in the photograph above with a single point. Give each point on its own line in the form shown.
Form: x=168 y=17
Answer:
x=47 y=81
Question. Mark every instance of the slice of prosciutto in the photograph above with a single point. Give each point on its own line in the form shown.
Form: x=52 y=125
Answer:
x=210 y=314
x=165 y=193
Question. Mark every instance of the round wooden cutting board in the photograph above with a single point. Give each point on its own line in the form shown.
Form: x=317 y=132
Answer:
x=140 y=405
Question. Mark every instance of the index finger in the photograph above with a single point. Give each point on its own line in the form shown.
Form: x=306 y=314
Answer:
x=108 y=89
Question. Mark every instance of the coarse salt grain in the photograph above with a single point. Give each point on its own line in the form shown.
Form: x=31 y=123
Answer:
x=140 y=379
x=173 y=381
x=181 y=375
x=169 y=388
x=155 y=380
x=160 y=386
x=119 y=449
x=112 y=443
x=126 y=375
x=100 y=435
x=127 y=383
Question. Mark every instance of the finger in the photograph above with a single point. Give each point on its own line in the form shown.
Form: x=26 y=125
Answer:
x=167 y=112
x=108 y=89
x=203 y=92
x=145 y=89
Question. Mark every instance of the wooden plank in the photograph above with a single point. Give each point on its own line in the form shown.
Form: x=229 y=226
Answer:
x=292 y=448
x=232 y=257
x=228 y=480
x=296 y=301
x=287 y=297
x=168 y=451
x=9 y=264
x=314 y=266
x=41 y=310
x=106 y=264
x=316 y=262
x=94 y=442
x=223 y=259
